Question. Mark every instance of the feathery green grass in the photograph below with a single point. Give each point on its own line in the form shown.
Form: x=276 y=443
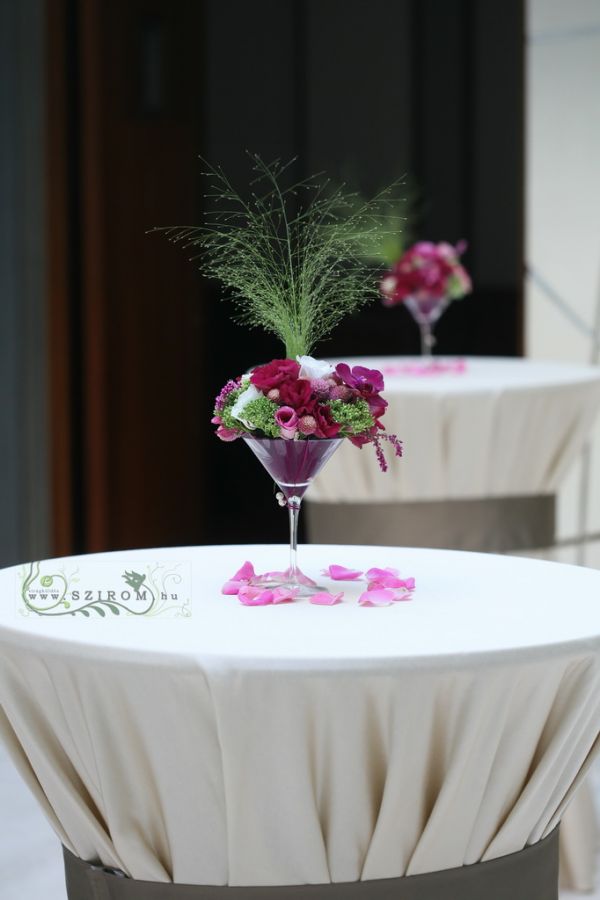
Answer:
x=292 y=259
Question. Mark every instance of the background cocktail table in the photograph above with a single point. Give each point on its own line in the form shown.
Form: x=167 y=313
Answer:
x=487 y=444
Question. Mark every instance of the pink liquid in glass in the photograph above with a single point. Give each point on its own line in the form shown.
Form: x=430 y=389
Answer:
x=293 y=464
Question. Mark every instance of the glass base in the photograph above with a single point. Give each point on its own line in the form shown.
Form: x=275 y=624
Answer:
x=303 y=590
x=305 y=586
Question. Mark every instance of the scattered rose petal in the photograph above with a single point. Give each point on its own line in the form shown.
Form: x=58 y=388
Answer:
x=254 y=596
x=392 y=581
x=379 y=597
x=246 y=573
x=384 y=586
x=243 y=576
x=341 y=573
x=325 y=599
x=457 y=367
x=284 y=594
x=376 y=574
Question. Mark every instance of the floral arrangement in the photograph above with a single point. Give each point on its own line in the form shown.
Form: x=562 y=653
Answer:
x=293 y=258
x=306 y=399
x=427 y=271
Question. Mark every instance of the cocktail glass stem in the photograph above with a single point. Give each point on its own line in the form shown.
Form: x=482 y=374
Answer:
x=294 y=513
x=292 y=464
x=427 y=339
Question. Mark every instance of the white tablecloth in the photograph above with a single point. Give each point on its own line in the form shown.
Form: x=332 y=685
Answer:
x=503 y=427
x=299 y=744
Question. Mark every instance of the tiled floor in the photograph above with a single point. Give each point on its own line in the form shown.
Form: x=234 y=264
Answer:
x=30 y=854
x=30 y=858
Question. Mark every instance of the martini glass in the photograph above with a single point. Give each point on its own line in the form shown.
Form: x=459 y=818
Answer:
x=292 y=465
x=426 y=310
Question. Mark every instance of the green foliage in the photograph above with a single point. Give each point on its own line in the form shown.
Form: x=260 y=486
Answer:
x=293 y=259
x=385 y=243
x=226 y=418
x=261 y=414
x=355 y=417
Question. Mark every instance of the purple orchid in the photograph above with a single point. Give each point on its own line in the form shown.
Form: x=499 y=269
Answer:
x=368 y=384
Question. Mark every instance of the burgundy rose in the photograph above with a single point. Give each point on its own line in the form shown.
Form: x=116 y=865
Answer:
x=325 y=425
x=297 y=394
x=274 y=374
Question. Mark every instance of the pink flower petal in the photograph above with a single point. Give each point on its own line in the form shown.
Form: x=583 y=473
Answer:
x=254 y=596
x=376 y=574
x=227 y=434
x=341 y=573
x=378 y=597
x=325 y=599
x=232 y=587
x=392 y=581
x=242 y=576
x=284 y=595
x=246 y=573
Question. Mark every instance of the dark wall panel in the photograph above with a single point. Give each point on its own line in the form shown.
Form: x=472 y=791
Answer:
x=250 y=85
x=497 y=154
x=358 y=90
x=441 y=116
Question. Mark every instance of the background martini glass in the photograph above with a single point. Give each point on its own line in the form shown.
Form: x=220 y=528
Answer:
x=292 y=465
x=426 y=311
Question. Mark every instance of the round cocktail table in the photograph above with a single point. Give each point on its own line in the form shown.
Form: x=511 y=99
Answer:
x=180 y=735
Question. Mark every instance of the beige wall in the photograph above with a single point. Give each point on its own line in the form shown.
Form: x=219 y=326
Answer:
x=563 y=200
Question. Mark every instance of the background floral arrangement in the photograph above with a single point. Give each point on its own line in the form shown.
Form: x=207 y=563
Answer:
x=306 y=399
x=427 y=271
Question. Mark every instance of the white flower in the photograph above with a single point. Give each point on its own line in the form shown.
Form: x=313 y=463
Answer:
x=251 y=393
x=314 y=368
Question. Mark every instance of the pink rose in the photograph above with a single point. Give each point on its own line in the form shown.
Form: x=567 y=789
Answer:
x=287 y=419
